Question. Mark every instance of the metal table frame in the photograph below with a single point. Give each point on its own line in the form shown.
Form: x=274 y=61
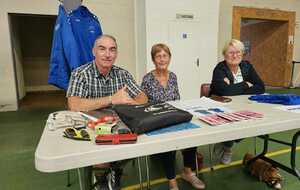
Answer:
x=293 y=145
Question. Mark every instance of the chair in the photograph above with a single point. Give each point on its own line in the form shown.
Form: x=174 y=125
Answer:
x=205 y=90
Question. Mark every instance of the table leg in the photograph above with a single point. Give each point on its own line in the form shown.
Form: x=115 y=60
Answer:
x=293 y=154
x=68 y=178
x=254 y=142
x=210 y=149
x=265 y=150
x=197 y=164
x=140 y=172
x=85 y=178
x=147 y=172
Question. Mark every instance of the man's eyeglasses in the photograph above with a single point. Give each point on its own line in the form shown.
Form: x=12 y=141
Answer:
x=104 y=50
x=73 y=133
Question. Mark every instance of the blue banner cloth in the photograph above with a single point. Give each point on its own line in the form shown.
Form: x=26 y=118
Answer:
x=284 y=99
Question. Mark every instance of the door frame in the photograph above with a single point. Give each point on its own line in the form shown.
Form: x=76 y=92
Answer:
x=239 y=13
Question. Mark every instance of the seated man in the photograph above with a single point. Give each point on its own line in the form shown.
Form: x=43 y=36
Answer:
x=100 y=84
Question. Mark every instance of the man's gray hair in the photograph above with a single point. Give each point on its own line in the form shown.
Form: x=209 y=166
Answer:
x=107 y=36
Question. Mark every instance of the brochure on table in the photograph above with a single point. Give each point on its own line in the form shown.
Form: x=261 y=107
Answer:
x=201 y=106
x=214 y=113
x=293 y=108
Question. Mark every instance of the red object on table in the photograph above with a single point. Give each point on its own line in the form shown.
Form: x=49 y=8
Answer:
x=116 y=139
x=103 y=119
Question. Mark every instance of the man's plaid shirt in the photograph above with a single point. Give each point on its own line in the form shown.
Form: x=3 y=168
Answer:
x=87 y=82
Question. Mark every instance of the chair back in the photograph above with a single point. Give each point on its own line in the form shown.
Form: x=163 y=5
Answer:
x=205 y=89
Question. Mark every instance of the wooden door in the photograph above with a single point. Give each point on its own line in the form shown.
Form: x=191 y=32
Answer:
x=269 y=41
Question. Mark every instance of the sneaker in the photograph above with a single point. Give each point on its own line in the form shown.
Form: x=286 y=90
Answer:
x=193 y=180
x=102 y=183
x=114 y=179
x=226 y=156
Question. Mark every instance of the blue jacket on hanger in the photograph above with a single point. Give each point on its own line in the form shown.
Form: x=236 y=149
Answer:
x=73 y=40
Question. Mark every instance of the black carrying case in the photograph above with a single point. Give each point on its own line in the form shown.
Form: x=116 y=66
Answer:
x=148 y=117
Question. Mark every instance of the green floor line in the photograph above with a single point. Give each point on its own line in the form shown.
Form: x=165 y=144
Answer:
x=208 y=169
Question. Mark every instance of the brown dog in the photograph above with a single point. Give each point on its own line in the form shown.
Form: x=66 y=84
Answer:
x=264 y=171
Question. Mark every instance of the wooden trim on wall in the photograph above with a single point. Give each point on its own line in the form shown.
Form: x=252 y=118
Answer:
x=267 y=14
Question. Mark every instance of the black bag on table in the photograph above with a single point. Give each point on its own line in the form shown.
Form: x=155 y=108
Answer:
x=148 y=117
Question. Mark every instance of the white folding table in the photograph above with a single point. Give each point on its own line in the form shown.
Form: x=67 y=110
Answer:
x=56 y=153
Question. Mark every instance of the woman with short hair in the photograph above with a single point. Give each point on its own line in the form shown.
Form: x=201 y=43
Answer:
x=234 y=76
x=160 y=85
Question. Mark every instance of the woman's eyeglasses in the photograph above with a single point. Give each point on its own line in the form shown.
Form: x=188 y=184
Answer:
x=164 y=56
x=237 y=53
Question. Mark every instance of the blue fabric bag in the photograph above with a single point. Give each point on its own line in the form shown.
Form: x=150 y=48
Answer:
x=285 y=99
